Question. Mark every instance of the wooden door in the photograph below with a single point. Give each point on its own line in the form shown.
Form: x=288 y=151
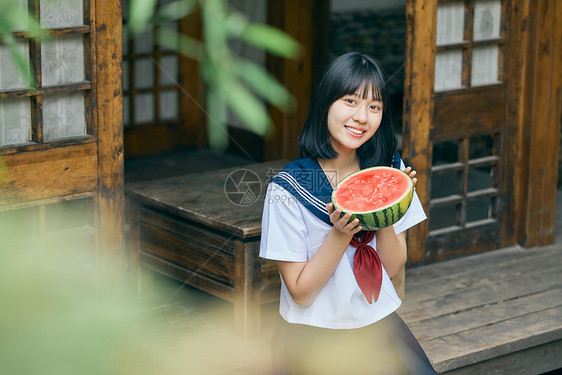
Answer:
x=61 y=148
x=461 y=69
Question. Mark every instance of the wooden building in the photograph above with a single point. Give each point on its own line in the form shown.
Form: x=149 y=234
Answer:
x=481 y=123
x=482 y=98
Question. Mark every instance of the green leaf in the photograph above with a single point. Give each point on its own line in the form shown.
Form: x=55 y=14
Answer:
x=174 y=11
x=140 y=14
x=264 y=84
x=216 y=119
x=271 y=39
x=246 y=106
x=179 y=42
x=19 y=60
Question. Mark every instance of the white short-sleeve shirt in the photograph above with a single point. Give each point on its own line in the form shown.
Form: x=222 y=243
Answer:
x=290 y=232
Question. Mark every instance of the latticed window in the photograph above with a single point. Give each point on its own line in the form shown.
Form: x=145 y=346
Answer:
x=464 y=172
x=59 y=105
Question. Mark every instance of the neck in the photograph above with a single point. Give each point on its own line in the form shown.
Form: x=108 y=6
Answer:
x=345 y=164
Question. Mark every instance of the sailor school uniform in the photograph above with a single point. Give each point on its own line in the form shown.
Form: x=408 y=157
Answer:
x=295 y=223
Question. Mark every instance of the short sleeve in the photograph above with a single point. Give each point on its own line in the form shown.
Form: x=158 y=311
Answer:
x=414 y=215
x=284 y=231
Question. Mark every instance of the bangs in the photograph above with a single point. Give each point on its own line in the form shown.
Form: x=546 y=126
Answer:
x=363 y=80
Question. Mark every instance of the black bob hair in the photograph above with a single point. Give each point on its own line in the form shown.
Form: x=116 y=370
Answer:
x=349 y=74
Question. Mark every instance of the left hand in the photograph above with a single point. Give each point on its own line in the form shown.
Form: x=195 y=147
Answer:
x=410 y=172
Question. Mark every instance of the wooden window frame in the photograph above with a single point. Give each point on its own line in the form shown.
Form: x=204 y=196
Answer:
x=37 y=92
x=468 y=44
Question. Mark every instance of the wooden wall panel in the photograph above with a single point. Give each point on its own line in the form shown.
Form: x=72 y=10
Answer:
x=44 y=174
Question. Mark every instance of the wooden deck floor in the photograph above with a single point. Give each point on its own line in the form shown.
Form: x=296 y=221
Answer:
x=499 y=312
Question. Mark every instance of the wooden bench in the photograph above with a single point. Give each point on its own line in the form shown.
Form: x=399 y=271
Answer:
x=493 y=313
x=198 y=229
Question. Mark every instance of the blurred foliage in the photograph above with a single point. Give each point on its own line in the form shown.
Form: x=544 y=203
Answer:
x=232 y=82
x=14 y=17
x=62 y=315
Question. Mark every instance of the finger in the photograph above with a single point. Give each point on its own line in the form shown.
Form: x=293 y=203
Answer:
x=357 y=229
x=352 y=225
x=408 y=169
x=414 y=180
x=413 y=173
x=330 y=208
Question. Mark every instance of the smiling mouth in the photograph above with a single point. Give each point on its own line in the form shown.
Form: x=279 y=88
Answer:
x=354 y=130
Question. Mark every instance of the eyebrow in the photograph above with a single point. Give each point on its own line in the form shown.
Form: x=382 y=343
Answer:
x=362 y=97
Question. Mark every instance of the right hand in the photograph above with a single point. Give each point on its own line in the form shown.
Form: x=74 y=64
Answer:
x=342 y=223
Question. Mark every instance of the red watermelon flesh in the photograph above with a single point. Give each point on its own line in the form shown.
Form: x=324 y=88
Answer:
x=378 y=196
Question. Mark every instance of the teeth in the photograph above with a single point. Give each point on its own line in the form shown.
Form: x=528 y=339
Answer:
x=356 y=131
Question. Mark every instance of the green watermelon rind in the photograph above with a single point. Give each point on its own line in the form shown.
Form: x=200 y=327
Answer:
x=384 y=216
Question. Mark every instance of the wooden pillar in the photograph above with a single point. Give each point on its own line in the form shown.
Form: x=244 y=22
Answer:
x=110 y=196
x=540 y=128
x=420 y=20
x=307 y=21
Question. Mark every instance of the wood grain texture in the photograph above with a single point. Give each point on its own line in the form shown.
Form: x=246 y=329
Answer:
x=544 y=113
x=50 y=173
x=418 y=86
x=109 y=103
x=489 y=312
x=305 y=21
x=452 y=118
x=201 y=198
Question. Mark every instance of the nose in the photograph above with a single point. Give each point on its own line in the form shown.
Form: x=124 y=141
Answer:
x=360 y=114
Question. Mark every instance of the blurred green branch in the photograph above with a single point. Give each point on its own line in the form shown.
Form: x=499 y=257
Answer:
x=232 y=82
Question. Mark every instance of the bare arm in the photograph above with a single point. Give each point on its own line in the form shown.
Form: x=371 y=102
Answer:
x=305 y=280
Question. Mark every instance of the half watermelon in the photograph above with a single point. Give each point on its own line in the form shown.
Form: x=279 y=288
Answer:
x=377 y=196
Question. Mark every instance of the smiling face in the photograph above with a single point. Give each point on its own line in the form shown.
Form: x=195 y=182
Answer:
x=352 y=120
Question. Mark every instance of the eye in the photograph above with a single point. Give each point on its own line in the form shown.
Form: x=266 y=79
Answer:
x=375 y=107
x=349 y=101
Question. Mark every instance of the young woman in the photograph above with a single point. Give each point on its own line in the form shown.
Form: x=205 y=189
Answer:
x=330 y=325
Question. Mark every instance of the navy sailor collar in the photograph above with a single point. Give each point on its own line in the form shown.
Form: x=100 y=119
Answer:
x=305 y=180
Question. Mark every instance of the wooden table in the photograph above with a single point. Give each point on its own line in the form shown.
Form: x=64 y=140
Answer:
x=198 y=229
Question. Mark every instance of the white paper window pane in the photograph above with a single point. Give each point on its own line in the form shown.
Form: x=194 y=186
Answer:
x=20 y=24
x=144 y=73
x=484 y=65
x=126 y=111
x=144 y=43
x=15 y=119
x=61 y=13
x=144 y=108
x=169 y=70
x=62 y=60
x=448 y=70
x=10 y=77
x=63 y=115
x=487 y=18
x=169 y=105
x=450 y=23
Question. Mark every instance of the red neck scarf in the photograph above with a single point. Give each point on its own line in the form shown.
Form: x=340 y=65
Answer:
x=367 y=265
